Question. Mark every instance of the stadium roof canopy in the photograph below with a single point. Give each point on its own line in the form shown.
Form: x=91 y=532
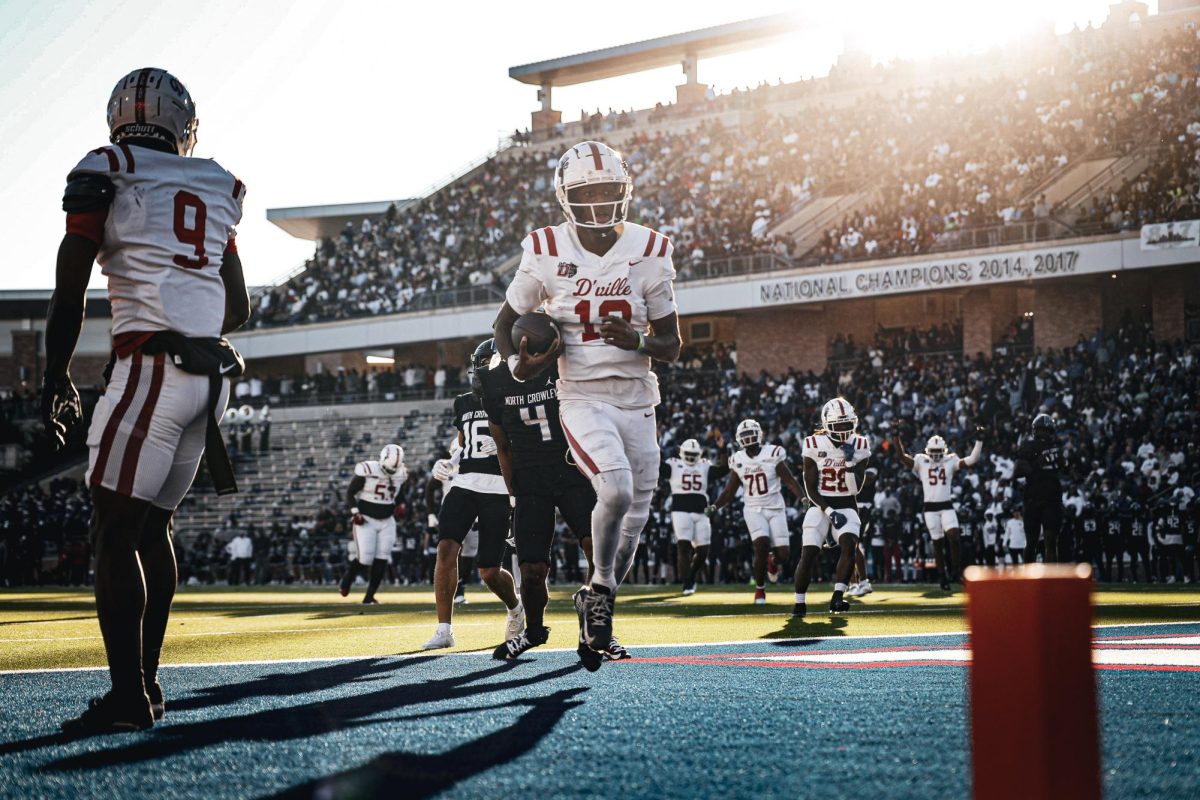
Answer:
x=653 y=53
x=313 y=222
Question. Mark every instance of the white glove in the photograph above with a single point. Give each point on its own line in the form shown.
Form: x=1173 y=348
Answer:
x=487 y=446
x=432 y=521
x=512 y=501
x=444 y=469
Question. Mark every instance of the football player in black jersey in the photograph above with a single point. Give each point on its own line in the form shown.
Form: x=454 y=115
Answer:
x=1039 y=460
x=477 y=493
x=533 y=454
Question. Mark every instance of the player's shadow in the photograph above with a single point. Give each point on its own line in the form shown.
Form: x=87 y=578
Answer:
x=801 y=628
x=304 y=720
x=408 y=774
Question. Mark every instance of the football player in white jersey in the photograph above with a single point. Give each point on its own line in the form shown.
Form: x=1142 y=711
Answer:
x=372 y=500
x=162 y=226
x=607 y=283
x=835 y=464
x=688 y=475
x=935 y=469
x=760 y=469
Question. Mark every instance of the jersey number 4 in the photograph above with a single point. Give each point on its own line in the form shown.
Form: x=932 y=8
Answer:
x=537 y=416
x=608 y=308
x=193 y=235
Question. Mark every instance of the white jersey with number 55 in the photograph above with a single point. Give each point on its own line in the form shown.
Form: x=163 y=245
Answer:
x=578 y=288
x=163 y=239
x=761 y=487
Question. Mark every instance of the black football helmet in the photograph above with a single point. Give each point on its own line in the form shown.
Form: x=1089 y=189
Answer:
x=481 y=359
x=1043 y=427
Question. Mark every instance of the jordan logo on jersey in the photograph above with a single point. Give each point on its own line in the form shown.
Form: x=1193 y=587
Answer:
x=566 y=269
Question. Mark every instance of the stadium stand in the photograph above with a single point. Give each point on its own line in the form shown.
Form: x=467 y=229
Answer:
x=1081 y=135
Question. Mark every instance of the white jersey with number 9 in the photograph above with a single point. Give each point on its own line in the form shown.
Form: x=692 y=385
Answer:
x=171 y=221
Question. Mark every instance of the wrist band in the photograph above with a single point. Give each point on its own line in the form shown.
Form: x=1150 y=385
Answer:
x=641 y=348
x=513 y=361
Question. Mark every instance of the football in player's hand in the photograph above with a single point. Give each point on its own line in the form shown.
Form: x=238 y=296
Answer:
x=538 y=328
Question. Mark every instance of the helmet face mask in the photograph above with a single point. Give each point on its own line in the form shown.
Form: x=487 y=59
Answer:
x=151 y=103
x=1043 y=426
x=749 y=434
x=391 y=458
x=690 y=451
x=481 y=359
x=839 y=420
x=593 y=186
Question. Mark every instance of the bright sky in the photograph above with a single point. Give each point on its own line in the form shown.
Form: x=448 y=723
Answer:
x=334 y=101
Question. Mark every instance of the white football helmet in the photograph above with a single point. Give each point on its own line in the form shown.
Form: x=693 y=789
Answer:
x=690 y=451
x=391 y=458
x=749 y=434
x=839 y=420
x=152 y=103
x=935 y=448
x=245 y=414
x=590 y=163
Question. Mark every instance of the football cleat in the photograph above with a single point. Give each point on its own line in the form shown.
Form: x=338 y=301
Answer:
x=515 y=622
x=839 y=606
x=616 y=651
x=799 y=610
x=109 y=715
x=441 y=638
x=460 y=594
x=865 y=588
x=344 y=590
x=158 y=706
x=590 y=659
x=945 y=584
x=854 y=591
x=772 y=568
x=689 y=590
x=525 y=640
x=595 y=606
x=370 y=601
x=760 y=597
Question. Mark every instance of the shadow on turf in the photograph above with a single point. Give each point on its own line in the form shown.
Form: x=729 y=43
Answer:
x=304 y=720
x=424 y=775
x=798 y=632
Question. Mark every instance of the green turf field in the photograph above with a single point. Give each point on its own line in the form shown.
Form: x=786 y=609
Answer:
x=56 y=629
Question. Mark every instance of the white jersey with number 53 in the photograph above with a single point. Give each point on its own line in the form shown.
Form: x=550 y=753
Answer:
x=164 y=238
x=761 y=487
x=578 y=288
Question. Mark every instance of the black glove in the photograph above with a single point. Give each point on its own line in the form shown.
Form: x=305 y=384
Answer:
x=61 y=410
x=981 y=432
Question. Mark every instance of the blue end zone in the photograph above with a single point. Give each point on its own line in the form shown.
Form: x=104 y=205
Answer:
x=856 y=717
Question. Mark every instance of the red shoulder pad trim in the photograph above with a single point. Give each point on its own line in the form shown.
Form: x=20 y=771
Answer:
x=551 y=247
x=650 y=244
x=537 y=244
x=662 y=251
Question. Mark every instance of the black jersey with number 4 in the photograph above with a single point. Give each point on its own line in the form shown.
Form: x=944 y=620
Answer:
x=528 y=413
x=472 y=422
x=1044 y=462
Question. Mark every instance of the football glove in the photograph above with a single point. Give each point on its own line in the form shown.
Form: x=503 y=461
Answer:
x=61 y=410
x=848 y=451
x=837 y=518
x=710 y=511
x=980 y=432
x=444 y=469
x=356 y=517
x=432 y=521
x=487 y=446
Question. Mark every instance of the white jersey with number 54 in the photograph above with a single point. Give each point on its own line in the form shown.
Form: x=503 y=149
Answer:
x=578 y=288
x=937 y=477
x=164 y=238
x=761 y=487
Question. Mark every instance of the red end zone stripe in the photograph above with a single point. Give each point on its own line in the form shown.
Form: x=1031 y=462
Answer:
x=537 y=244
x=587 y=460
x=650 y=245
x=551 y=248
x=137 y=437
x=114 y=420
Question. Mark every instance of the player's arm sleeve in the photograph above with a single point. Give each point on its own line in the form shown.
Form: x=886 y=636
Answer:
x=970 y=460
x=660 y=291
x=526 y=292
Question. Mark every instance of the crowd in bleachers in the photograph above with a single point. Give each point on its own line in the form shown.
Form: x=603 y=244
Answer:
x=937 y=160
x=1127 y=412
x=399 y=382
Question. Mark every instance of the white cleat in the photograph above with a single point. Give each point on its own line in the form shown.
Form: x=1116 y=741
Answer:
x=515 y=623
x=441 y=638
x=689 y=591
x=865 y=588
x=855 y=590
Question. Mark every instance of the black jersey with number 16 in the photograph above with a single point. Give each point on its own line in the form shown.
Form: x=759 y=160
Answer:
x=472 y=422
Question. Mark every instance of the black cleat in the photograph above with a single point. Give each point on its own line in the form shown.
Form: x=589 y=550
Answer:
x=799 y=610
x=590 y=658
x=595 y=609
x=945 y=584
x=517 y=645
x=158 y=706
x=109 y=715
x=370 y=601
x=616 y=651
x=839 y=606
